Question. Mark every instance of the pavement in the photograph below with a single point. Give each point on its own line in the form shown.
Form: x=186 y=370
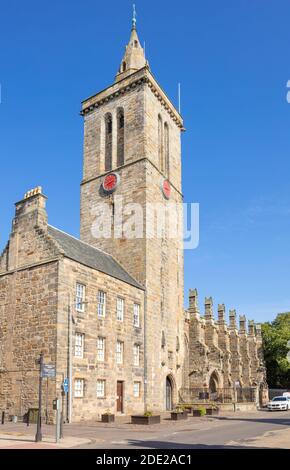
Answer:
x=257 y=429
x=18 y=440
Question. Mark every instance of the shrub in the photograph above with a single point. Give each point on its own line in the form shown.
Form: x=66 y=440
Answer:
x=148 y=414
x=202 y=411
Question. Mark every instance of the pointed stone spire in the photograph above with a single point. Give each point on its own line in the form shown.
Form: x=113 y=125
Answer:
x=259 y=332
x=243 y=322
x=208 y=307
x=221 y=314
x=233 y=318
x=193 y=302
x=134 y=57
x=251 y=328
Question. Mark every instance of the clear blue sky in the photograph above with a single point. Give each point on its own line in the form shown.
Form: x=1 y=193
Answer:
x=232 y=58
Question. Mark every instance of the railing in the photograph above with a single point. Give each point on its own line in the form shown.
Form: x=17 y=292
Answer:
x=221 y=395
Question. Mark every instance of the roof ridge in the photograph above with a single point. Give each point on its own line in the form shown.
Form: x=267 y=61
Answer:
x=81 y=241
x=98 y=250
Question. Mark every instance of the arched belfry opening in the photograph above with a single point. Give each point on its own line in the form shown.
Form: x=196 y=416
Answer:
x=120 y=137
x=108 y=141
x=160 y=144
x=166 y=148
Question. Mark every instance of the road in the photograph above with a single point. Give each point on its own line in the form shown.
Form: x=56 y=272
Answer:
x=216 y=432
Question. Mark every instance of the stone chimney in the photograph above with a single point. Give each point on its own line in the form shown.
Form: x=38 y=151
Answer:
x=30 y=213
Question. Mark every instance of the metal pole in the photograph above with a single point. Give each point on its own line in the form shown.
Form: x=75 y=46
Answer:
x=57 y=429
x=3 y=417
x=38 y=436
x=61 y=415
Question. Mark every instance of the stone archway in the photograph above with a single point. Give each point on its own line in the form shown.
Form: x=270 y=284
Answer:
x=214 y=382
x=169 y=393
x=171 y=398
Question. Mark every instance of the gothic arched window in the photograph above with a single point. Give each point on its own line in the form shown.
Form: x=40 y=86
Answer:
x=166 y=147
x=120 y=137
x=108 y=142
x=160 y=143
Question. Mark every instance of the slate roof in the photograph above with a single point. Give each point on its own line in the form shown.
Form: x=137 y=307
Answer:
x=92 y=257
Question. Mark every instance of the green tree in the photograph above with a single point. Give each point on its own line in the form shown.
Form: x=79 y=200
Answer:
x=275 y=337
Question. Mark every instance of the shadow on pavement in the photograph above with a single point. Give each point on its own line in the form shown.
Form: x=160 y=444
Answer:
x=282 y=421
x=176 y=445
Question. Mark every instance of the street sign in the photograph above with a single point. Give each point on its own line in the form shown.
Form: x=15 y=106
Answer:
x=48 y=371
x=65 y=385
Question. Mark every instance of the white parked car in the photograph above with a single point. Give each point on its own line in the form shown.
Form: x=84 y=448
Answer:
x=279 y=404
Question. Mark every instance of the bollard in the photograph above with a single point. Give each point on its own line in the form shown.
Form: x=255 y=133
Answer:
x=3 y=417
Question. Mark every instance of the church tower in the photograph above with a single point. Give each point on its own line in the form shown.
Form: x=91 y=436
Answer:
x=132 y=155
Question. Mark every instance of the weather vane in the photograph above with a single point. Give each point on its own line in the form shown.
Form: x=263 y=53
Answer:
x=134 y=16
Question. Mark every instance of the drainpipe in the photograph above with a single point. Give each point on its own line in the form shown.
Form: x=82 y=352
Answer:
x=145 y=352
x=69 y=361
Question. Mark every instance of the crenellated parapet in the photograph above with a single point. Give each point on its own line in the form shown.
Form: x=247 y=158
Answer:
x=221 y=354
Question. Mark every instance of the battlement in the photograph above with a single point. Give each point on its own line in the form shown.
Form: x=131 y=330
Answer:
x=228 y=348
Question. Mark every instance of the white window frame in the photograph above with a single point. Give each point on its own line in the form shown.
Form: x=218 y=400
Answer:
x=136 y=355
x=119 y=352
x=79 y=345
x=101 y=351
x=101 y=388
x=136 y=315
x=138 y=384
x=79 y=386
x=80 y=297
x=120 y=309
x=101 y=304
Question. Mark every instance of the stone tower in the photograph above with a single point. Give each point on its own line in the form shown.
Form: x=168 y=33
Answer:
x=132 y=155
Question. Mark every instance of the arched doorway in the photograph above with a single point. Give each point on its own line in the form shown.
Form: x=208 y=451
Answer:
x=168 y=394
x=213 y=383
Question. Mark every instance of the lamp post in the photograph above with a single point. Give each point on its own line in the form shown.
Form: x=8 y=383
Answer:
x=38 y=436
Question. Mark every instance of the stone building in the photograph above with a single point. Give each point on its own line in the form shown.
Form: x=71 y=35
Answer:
x=108 y=311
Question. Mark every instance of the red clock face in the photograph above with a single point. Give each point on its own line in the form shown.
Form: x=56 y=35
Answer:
x=166 y=189
x=111 y=182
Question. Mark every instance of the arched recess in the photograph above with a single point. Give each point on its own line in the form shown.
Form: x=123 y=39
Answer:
x=171 y=392
x=120 y=137
x=214 y=382
x=108 y=141
x=186 y=363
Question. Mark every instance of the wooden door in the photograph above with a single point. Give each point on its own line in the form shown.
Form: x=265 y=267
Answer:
x=120 y=397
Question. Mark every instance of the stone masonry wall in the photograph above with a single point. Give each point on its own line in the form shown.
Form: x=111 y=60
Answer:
x=88 y=368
